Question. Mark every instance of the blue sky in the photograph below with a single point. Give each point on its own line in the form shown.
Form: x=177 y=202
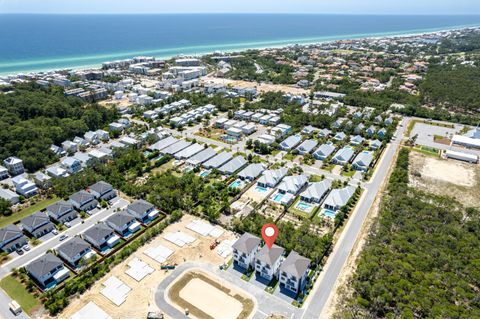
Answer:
x=250 y=6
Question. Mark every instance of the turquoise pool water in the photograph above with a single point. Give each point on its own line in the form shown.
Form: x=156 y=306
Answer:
x=261 y=189
x=236 y=184
x=329 y=213
x=204 y=173
x=278 y=198
x=304 y=206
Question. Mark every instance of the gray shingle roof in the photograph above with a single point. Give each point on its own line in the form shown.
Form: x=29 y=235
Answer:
x=8 y=232
x=295 y=265
x=35 y=220
x=99 y=231
x=339 y=197
x=44 y=265
x=101 y=187
x=270 y=255
x=233 y=165
x=140 y=206
x=202 y=157
x=317 y=190
x=246 y=243
x=73 y=247
x=82 y=197
x=252 y=171
x=218 y=160
x=120 y=219
x=60 y=208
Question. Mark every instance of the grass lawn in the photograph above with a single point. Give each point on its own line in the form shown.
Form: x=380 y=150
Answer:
x=289 y=157
x=275 y=152
x=315 y=178
x=4 y=221
x=348 y=173
x=18 y=292
x=426 y=150
x=328 y=167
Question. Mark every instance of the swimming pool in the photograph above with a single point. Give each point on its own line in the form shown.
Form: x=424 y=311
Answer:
x=277 y=198
x=303 y=206
x=205 y=173
x=236 y=184
x=261 y=189
x=329 y=213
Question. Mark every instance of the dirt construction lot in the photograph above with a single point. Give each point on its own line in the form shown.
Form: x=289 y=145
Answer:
x=446 y=177
x=140 y=300
x=209 y=298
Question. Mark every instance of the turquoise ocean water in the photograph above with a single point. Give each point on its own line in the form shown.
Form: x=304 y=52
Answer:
x=43 y=42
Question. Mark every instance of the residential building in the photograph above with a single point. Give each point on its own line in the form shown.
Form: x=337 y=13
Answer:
x=201 y=157
x=3 y=173
x=251 y=172
x=271 y=178
x=37 y=224
x=292 y=184
x=245 y=249
x=163 y=143
x=307 y=147
x=102 y=191
x=123 y=223
x=294 y=272
x=189 y=151
x=340 y=136
x=48 y=270
x=61 y=212
x=362 y=161
x=290 y=142
x=316 y=192
x=101 y=236
x=72 y=165
x=267 y=261
x=42 y=180
x=324 y=133
x=83 y=201
x=324 y=151
x=343 y=155
x=143 y=211
x=218 y=160
x=11 y=238
x=7 y=194
x=14 y=165
x=356 y=140
x=176 y=147
x=24 y=187
x=338 y=198
x=375 y=144
x=233 y=165
x=75 y=250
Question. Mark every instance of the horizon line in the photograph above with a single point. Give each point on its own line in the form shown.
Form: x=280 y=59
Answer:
x=240 y=13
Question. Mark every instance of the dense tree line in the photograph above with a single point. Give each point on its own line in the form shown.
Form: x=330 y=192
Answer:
x=32 y=118
x=422 y=259
x=454 y=86
x=167 y=191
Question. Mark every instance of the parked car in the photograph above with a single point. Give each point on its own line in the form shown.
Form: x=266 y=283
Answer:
x=68 y=224
x=26 y=248
x=19 y=251
x=63 y=237
x=55 y=232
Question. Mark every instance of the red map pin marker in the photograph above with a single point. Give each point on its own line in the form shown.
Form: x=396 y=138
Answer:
x=269 y=234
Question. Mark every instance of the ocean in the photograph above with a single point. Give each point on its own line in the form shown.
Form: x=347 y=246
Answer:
x=45 y=42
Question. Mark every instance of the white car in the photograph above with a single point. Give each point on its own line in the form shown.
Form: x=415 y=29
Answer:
x=26 y=248
x=55 y=232
x=67 y=224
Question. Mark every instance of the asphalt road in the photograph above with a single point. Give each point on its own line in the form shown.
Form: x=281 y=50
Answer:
x=41 y=249
x=326 y=282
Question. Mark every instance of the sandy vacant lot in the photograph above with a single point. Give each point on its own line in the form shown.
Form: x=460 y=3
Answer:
x=211 y=300
x=209 y=297
x=261 y=88
x=141 y=299
x=446 y=177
